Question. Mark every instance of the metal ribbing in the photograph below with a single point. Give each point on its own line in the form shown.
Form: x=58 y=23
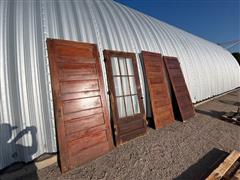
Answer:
x=25 y=89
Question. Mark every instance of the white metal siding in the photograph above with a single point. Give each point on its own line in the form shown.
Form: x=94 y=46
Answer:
x=25 y=90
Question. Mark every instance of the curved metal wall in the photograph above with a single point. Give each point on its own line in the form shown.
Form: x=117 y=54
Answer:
x=25 y=89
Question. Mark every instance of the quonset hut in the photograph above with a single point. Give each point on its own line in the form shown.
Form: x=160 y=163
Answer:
x=26 y=107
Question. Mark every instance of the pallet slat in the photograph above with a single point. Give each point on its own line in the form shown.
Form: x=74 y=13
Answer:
x=237 y=175
x=222 y=169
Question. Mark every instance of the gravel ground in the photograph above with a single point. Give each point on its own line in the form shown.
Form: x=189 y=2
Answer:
x=180 y=151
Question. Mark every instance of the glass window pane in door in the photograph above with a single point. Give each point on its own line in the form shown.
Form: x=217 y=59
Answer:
x=128 y=105
x=125 y=85
x=115 y=67
x=121 y=107
x=130 y=66
x=135 y=104
x=123 y=67
x=118 y=86
x=133 y=85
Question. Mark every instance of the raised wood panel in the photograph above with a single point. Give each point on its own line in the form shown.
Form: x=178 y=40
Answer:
x=165 y=115
x=179 y=87
x=132 y=134
x=77 y=72
x=75 y=60
x=79 y=86
x=130 y=126
x=83 y=68
x=83 y=156
x=82 y=118
x=78 y=95
x=81 y=104
x=158 y=91
x=81 y=134
x=72 y=77
x=154 y=80
x=76 y=52
x=85 y=142
x=157 y=84
x=87 y=112
x=87 y=122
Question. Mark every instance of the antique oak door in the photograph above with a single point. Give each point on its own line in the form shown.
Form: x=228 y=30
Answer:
x=179 y=87
x=82 y=118
x=158 y=90
x=126 y=98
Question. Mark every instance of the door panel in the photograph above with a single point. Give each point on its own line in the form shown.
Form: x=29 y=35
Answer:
x=157 y=84
x=179 y=87
x=82 y=119
x=125 y=95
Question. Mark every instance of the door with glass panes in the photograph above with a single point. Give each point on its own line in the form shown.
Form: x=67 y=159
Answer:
x=125 y=95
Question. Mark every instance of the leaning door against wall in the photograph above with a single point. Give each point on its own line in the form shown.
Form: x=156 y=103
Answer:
x=82 y=118
x=126 y=97
x=179 y=86
x=158 y=89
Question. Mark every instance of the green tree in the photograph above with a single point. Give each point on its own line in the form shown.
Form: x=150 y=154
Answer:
x=237 y=56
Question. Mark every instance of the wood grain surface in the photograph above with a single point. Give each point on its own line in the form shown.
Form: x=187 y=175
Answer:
x=179 y=87
x=158 y=90
x=82 y=118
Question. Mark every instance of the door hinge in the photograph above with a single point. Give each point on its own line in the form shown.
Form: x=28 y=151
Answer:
x=115 y=131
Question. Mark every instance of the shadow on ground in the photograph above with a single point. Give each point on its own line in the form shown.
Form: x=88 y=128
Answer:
x=217 y=115
x=14 y=152
x=204 y=166
x=230 y=102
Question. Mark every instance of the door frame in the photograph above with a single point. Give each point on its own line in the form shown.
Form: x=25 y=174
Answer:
x=111 y=91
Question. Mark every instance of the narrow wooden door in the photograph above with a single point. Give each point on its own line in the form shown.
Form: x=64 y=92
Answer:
x=82 y=118
x=179 y=87
x=126 y=97
x=158 y=90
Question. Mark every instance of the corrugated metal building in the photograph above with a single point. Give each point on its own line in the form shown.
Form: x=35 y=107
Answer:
x=27 y=127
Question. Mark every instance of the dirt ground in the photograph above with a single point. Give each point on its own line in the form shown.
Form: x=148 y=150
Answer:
x=180 y=151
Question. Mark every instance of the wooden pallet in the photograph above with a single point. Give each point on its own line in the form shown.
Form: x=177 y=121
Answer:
x=228 y=169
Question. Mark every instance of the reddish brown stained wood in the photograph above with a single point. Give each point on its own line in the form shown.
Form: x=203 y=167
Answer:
x=179 y=87
x=129 y=127
x=83 y=113
x=80 y=124
x=82 y=118
x=75 y=86
x=83 y=155
x=159 y=95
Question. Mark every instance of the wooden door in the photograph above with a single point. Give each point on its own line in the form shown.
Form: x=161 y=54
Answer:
x=82 y=118
x=158 y=90
x=126 y=97
x=179 y=87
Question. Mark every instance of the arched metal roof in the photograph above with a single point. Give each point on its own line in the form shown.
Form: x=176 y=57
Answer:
x=25 y=89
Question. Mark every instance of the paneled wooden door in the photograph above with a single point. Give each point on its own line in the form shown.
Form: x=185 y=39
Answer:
x=180 y=90
x=126 y=97
x=158 y=89
x=82 y=118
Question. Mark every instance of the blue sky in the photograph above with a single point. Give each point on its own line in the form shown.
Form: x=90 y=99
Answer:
x=215 y=20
